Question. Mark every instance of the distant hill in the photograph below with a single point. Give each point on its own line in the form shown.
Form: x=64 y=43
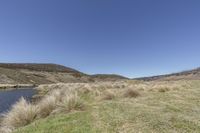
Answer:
x=39 y=67
x=105 y=77
x=32 y=73
x=193 y=74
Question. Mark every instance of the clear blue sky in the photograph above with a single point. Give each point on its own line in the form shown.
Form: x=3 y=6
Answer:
x=129 y=37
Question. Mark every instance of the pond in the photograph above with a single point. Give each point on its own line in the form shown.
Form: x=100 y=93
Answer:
x=10 y=97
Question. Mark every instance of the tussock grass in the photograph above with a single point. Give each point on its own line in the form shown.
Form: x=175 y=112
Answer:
x=175 y=111
x=21 y=114
x=62 y=99
x=131 y=93
x=108 y=95
x=114 y=107
x=46 y=106
x=163 y=89
x=70 y=103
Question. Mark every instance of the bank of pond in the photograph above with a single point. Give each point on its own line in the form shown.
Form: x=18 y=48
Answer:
x=10 y=96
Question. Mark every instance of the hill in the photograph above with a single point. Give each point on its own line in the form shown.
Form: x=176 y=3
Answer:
x=31 y=73
x=107 y=77
x=39 y=67
x=193 y=74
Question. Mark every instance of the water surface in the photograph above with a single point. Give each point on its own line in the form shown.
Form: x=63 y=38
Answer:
x=10 y=97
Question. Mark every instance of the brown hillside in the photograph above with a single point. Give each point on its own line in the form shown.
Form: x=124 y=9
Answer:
x=16 y=73
x=193 y=74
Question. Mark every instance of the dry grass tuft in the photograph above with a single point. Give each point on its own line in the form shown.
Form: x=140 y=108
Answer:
x=131 y=93
x=108 y=95
x=60 y=100
x=21 y=114
x=46 y=106
x=163 y=89
x=69 y=103
x=86 y=90
x=5 y=129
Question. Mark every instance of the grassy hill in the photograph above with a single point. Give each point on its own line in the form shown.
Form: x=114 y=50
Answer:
x=13 y=73
x=39 y=67
x=193 y=74
x=108 y=77
x=39 y=74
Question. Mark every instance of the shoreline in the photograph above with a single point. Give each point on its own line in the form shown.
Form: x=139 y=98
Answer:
x=15 y=86
x=10 y=87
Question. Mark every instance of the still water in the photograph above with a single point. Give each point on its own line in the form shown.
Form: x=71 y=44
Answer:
x=10 y=97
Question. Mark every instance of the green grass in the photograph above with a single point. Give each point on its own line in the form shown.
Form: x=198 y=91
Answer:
x=78 y=122
x=158 y=112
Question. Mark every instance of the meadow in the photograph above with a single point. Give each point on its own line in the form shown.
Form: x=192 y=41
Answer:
x=109 y=107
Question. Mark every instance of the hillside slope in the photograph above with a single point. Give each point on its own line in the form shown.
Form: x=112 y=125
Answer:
x=193 y=74
x=11 y=73
x=39 y=67
x=107 y=77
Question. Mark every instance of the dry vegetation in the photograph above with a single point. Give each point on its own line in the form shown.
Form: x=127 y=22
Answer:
x=123 y=106
x=63 y=99
x=21 y=114
x=131 y=93
x=38 y=74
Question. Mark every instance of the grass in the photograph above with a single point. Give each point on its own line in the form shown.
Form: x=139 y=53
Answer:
x=131 y=93
x=163 y=89
x=108 y=95
x=175 y=110
x=74 y=122
x=21 y=114
x=57 y=101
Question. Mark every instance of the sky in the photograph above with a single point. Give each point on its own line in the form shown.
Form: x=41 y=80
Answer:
x=134 y=38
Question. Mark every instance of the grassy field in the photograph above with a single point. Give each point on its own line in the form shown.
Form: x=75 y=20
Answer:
x=125 y=107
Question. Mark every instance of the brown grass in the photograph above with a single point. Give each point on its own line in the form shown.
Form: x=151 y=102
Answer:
x=21 y=114
x=120 y=111
x=70 y=103
x=131 y=93
x=56 y=101
x=108 y=95
x=46 y=106
x=163 y=89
